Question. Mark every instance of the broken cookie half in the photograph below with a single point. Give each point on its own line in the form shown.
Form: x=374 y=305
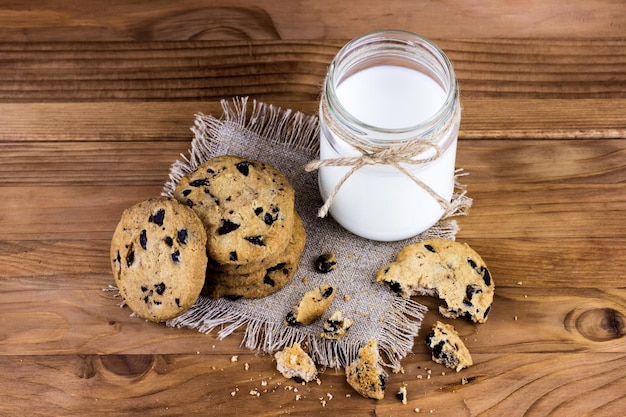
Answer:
x=451 y=270
x=366 y=374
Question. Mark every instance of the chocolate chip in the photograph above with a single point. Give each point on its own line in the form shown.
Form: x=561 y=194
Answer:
x=189 y=203
x=157 y=217
x=268 y=280
x=176 y=257
x=269 y=219
x=182 y=236
x=328 y=292
x=277 y=267
x=430 y=248
x=160 y=288
x=470 y=290
x=177 y=301
x=487 y=311
x=244 y=167
x=118 y=258
x=144 y=288
x=226 y=227
x=258 y=210
x=291 y=320
x=438 y=349
x=233 y=256
x=395 y=287
x=486 y=275
x=210 y=171
x=326 y=263
x=143 y=239
x=169 y=241
x=130 y=256
x=202 y=182
x=255 y=240
x=186 y=192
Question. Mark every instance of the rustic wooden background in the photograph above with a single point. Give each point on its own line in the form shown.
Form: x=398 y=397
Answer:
x=86 y=87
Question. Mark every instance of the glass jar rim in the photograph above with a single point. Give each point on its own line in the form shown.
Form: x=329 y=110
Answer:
x=404 y=39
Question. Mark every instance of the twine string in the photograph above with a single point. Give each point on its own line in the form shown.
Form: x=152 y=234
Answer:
x=395 y=155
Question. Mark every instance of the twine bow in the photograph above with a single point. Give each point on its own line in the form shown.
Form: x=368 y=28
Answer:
x=406 y=153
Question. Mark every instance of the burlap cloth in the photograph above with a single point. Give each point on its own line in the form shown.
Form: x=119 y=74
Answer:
x=288 y=140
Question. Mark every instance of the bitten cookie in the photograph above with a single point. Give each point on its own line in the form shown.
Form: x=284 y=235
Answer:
x=158 y=257
x=312 y=306
x=293 y=362
x=365 y=374
x=450 y=270
x=447 y=347
x=247 y=208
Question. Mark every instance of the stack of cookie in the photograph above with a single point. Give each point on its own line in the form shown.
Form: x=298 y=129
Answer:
x=255 y=237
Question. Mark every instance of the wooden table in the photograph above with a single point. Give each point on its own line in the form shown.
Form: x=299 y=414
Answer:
x=96 y=102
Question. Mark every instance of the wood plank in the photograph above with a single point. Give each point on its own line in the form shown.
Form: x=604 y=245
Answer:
x=169 y=121
x=44 y=20
x=520 y=384
x=504 y=210
x=294 y=70
x=527 y=316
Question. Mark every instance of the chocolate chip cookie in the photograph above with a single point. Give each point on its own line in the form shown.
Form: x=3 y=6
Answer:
x=451 y=270
x=366 y=374
x=247 y=207
x=447 y=347
x=158 y=257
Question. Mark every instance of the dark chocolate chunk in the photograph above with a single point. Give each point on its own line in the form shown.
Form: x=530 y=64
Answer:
x=144 y=288
x=268 y=280
x=160 y=288
x=258 y=210
x=143 y=239
x=395 y=287
x=430 y=248
x=130 y=256
x=276 y=267
x=186 y=192
x=157 y=217
x=177 y=301
x=290 y=319
x=255 y=240
x=328 y=292
x=210 y=171
x=176 y=257
x=169 y=241
x=470 y=290
x=118 y=258
x=233 y=256
x=226 y=227
x=202 y=182
x=182 y=236
x=269 y=219
x=244 y=167
x=486 y=275
x=189 y=203
x=325 y=263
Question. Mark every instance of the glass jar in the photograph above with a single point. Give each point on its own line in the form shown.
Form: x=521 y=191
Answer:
x=389 y=120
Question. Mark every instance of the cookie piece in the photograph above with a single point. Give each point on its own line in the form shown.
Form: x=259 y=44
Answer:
x=260 y=283
x=336 y=326
x=293 y=362
x=247 y=207
x=451 y=270
x=326 y=263
x=447 y=347
x=312 y=306
x=365 y=374
x=158 y=257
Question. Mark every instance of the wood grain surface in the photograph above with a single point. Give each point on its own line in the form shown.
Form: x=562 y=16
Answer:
x=97 y=100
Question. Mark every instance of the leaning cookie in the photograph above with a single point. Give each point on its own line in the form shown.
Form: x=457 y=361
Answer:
x=366 y=374
x=453 y=271
x=447 y=347
x=247 y=207
x=158 y=257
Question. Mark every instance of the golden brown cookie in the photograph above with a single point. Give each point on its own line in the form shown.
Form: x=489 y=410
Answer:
x=312 y=306
x=293 y=362
x=451 y=270
x=366 y=374
x=447 y=347
x=158 y=257
x=263 y=282
x=247 y=208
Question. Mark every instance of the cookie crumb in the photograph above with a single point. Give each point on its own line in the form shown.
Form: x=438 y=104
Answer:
x=234 y=358
x=402 y=395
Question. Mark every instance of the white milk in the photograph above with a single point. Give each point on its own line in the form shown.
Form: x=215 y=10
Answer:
x=379 y=202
